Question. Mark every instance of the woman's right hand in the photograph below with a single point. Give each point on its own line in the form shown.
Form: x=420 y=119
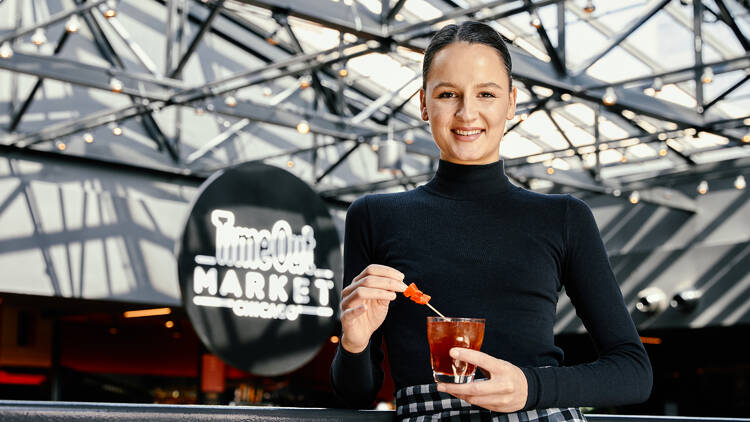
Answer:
x=364 y=304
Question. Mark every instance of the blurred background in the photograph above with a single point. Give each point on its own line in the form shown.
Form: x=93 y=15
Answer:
x=112 y=114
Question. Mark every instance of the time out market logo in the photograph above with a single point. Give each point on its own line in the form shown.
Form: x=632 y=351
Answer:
x=268 y=273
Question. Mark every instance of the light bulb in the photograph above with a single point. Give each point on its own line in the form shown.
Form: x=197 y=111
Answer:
x=304 y=83
x=589 y=7
x=73 y=24
x=230 y=101
x=343 y=72
x=523 y=116
x=746 y=138
x=88 y=138
x=267 y=91
x=703 y=187
x=658 y=85
x=535 y=21
x=609 y=98
x=290 y=163
x=39 y=37
x=740 y=182
x=6 y=51
x=550 y=170
x=634 y=197
x=708 y=76
x=110 y=12
x=117 y=131
x=565 y=97
x=663 y=152
x=303 y=127
x=115 y=85
x=61 y=145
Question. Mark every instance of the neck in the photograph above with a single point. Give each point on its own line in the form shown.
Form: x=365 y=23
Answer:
x=469 y=181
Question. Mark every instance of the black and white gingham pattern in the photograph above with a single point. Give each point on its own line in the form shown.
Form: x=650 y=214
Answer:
x=419 y=403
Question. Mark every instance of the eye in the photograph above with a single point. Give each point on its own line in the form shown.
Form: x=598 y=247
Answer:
x=446 y=95
x=487 y=95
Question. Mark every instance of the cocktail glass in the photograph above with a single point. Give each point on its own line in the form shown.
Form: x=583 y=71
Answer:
x=445 y=333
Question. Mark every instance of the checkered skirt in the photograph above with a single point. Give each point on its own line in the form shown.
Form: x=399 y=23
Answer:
x=418 y=403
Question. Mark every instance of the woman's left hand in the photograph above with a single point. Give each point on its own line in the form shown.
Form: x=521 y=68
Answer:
x=505 y=390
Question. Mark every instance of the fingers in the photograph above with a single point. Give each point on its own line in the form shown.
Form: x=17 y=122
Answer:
x=381 y=271
x=353 y=313
x=482 y=360
x=377 y=282
x=362 y=293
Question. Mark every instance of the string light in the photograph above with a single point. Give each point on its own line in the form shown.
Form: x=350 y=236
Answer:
x=117 y=130
x=609 y=98
x=550 y=171
x=740 y=182
x=88 y=138
x=230 y=101
x=169 y=324
x=703 y=187
x=589 y=7
x=110 y=12
x=523 y=116
x=343 y=72
x=267 y=91
x=746 y=138
x=6 y=51
x=708 y=76
x=73 y=25
x=409 y=137
x=304 y=83
x=535 y=21
x=565 y=97
x=290 y=163
x=624 y=159
x=271 y=39
x=39 y=37
x=663 y=152
x=115 y=85
x=61 y=145
x=303 y=127
x=634 y=197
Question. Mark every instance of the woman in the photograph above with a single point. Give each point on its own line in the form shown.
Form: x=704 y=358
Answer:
x=481 y=247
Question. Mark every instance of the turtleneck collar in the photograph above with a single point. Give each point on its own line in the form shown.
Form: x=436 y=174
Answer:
x=469 y=181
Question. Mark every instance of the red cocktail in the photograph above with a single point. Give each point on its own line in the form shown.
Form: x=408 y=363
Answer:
x=446 y=333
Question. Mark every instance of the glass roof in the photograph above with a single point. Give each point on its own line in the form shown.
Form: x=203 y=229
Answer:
x=646 y=51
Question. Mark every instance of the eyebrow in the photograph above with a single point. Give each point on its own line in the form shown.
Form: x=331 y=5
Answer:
x=482 y=85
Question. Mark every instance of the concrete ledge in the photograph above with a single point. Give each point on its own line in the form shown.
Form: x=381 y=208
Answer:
x=45 y=411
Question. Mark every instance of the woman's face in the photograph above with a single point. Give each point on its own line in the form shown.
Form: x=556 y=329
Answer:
x=467 y=101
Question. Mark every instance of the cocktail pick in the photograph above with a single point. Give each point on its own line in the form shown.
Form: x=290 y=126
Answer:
x=416 y=295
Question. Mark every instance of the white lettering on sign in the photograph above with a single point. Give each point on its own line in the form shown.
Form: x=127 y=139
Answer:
x=280 y=249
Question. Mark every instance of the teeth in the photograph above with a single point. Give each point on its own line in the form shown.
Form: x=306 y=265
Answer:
x=467 y=132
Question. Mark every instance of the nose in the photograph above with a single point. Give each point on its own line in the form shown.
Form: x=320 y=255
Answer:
x=467 y=110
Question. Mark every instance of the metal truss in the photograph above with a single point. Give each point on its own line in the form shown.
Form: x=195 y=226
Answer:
x=354 y=122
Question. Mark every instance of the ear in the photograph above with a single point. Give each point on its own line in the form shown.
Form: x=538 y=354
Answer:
x=423 y=105
x=511 y=104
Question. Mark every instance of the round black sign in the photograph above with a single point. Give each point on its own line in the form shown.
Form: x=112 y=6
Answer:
x=259 y=267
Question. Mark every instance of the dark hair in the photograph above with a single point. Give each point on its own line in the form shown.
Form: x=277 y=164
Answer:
x=470 y=32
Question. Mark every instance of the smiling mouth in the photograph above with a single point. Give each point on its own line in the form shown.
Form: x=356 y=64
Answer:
x=467 y=132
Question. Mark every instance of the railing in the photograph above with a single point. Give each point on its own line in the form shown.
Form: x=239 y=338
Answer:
x=38 y=411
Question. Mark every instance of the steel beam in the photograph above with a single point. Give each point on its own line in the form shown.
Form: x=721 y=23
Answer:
x=375 y=186
x=139 y=85
x=393 y=10
x=726 y=92
x=338 y=162
x=20 y=32
x=617 y=39
x=698 y=52
x=16 y=118
x=727 y=18
x=214 y=10
x=551 y=51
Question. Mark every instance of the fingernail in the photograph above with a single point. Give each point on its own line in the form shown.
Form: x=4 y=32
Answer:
x=440 y=388
x=454 y=353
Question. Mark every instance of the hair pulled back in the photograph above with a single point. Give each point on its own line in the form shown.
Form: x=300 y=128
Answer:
x=470 y=32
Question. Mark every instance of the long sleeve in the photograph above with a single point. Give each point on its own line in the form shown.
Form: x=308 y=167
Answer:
x=357 y=377
x=622 y=373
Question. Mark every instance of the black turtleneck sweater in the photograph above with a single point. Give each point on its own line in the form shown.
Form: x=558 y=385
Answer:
x=482 y=247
